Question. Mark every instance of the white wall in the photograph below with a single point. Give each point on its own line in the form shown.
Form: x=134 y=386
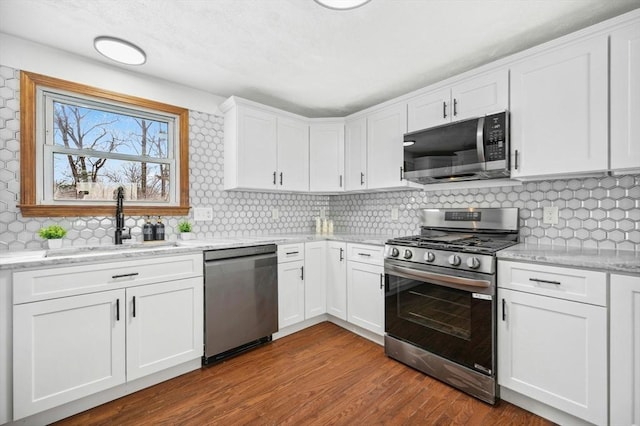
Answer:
x=25 y=55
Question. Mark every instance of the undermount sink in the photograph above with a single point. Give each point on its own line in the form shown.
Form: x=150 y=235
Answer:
x=97 y=250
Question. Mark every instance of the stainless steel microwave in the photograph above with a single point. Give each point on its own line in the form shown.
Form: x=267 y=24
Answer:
x=472 y=149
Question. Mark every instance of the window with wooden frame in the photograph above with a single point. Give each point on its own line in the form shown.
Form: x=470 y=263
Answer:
x=79 y=144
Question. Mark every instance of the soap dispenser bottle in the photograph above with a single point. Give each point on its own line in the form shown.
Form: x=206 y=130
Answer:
x=159 y=229
x=147 y=231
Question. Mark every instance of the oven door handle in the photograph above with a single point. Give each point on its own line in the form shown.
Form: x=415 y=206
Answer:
x=446 y=280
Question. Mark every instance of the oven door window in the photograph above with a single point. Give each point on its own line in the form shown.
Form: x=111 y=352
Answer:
x=449 y=322
x=441 y=309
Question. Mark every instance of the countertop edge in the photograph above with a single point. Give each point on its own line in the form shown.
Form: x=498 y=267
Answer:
x=605 y=260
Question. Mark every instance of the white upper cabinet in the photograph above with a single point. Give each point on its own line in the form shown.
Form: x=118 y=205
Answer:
x=473 y=97
x=356 y=154
x=429 y=110
x=326 y=153
x=625 y=98
x=293 y=155
x=264 y=149
x=385 y=131
x=480 y=95
x=251 y=143
x=559 y=101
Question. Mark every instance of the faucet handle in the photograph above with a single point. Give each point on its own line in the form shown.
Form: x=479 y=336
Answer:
x=127 y=236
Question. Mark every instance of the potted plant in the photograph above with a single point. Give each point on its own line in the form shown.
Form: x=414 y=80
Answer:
x=53 y=234
x=185 y=230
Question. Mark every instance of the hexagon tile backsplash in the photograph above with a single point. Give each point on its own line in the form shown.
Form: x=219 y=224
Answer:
x=594 y=212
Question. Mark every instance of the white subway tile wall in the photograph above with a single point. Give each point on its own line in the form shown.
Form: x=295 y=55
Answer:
x=593 y=212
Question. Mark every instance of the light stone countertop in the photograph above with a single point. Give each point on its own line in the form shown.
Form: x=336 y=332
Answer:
x=83 y=254
x=614 y=261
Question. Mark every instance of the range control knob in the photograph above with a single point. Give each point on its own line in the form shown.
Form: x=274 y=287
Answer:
x=429 y=257
x=454 y=260
x=395 y=252
x=407 y=254
x=473 y=262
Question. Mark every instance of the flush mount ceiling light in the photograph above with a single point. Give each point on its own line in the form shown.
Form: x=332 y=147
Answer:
x=342 y=4
x=120 y=50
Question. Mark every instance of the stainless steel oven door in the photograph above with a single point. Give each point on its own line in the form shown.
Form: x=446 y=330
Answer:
x=448 y=313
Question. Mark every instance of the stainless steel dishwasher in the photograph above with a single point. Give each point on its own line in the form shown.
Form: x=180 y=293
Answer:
x=240 y=299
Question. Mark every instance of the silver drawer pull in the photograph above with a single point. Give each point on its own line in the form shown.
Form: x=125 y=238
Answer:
x=292 y=252
x=133 y=274
x=364 y=254
x=538 y=280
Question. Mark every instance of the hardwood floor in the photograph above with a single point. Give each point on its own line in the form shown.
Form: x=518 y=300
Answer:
x=323 y=375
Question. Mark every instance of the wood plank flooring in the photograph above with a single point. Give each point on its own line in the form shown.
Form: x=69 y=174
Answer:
x=323 y=375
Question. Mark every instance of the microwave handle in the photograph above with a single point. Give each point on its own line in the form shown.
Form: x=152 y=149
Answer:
x=480 y=141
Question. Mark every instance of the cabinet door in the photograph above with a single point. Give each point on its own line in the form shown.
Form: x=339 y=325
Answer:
x=625 y=350
x=315 y=280
x=293 y=155
x=337 y=279
x=481 y=95
x=67 y=348
x=385 y=131
x=326 y=157
x=290 y=293
x=625 y=98
x=365 y=296
x=356 y=154
x=554 y=351
x=165 y=325
x=257 y=151
x=559 y=111
x=430 y=109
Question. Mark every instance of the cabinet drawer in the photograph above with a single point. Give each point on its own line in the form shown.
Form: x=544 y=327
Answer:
x=559 y=282
x=42 y=284
x=372 y=255
x=290 y=252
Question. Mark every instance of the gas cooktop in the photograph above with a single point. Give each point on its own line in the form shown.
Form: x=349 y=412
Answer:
x=464 y=239
x=456 y=242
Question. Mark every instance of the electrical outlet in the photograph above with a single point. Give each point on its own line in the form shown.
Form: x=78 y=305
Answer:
x=275 y=214
x=550 y=215
x=394 y=213
x=203 y=214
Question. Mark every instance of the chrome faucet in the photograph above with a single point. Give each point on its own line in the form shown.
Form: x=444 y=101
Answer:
x=120 y=235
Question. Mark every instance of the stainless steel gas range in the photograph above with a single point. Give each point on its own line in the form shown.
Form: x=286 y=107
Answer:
x=440 y=296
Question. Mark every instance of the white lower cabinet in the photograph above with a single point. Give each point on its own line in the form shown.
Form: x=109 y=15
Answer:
x=365 y=292
x=66 y=348
x=625 y=350
x=337 y=279
x=163 y=326
x=551 y=349
x=315 y=280
x=290 y=293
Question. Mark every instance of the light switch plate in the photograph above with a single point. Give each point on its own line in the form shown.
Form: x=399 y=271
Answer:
x=550 y=215
x=394 y=213
x=275 y=214
x=203 y=214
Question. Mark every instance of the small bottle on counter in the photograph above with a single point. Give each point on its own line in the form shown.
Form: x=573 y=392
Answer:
x=325 y=227
x=318 y=226
x=147 y=231
x=330 y=228
x=159 y=230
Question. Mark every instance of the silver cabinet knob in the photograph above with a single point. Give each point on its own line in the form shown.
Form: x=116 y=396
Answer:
x=473 y=262
x=454 y=260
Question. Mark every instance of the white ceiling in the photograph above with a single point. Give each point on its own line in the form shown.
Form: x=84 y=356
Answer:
x=299 y=56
